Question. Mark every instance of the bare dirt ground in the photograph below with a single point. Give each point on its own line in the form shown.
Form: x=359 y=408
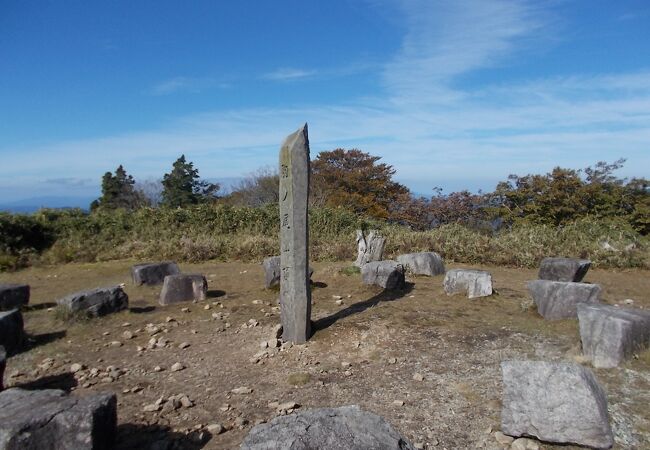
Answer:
x=365 y=351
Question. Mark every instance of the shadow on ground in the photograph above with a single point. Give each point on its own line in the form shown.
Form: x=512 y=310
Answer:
x=36 y=340
x=359 y=307
x=156 y=437
x=38 y=306
x=215 y=293
x=63 y=381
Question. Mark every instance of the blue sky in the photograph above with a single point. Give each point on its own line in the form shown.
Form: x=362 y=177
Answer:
x=456 y=94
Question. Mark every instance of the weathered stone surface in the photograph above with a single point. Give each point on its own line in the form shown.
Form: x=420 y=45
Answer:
x=387 y=274
x=563 y=269
x=96 y=302
x=426 y=263
x=152 y=274
x=50 y=419
x=12 y=333
x=272 y=271
x=610 y=335
x=558 y=299
x=370 y=247
x=344 y=428
x=554 y=402
x=3 y=366
x=475 y=283
x=183 y=288
x=295 y=293
x=13 y=296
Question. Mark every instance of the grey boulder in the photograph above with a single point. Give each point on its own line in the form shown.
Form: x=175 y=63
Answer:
x=271 y=266
x=183 y=288
x=610 y=335
x=13 y=296
x=96 y=302
x=344 y=428
x=559 y=299
x=563 y=269
x=370 y=247
x=387 y=274
x=152 y=274
x=12 y=334
x=554 y=402
x=3 y=366
x=426 y=263
x=52 y=420
x=475 y=283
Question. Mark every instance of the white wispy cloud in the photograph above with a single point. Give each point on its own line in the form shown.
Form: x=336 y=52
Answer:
x=432 y=131
x=288 y=74
x=186 y=84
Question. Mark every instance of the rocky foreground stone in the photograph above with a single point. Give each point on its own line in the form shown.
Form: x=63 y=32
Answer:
x=610 y=334
x=370 y=247
x=425 y=263
x=183 y=288
x=555 y=402
x=558 y=299
x=475 y=283
x=386 y=274
x=563 y=269
x=152 y=274
x=344 y=428
x=51 y=419
x=13 y=296
x=12 y=334
x=96 y=302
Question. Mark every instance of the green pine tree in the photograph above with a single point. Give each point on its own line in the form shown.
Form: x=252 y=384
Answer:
x=182 y=186
x=118 y=192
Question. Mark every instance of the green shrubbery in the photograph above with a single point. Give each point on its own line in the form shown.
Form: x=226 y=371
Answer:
x=207 y=231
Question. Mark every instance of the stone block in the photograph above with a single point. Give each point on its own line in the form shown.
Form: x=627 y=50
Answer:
x=558 y=299
x=426 y=263
x=152 y=274
x=183 y=288
x=96 y=302
x=12 y=334
x=370 y=247
x=475 y=283
x=387 y=274
x=13 y=296
x=563 y=269
x=271 y=266
x=610 y=335
x=554 y=402
x=51 y=419
x=344 y=428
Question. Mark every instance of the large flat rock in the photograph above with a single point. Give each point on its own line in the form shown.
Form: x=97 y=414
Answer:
x=344 y=428
x=387 y=274
x=610 y=334
x=96 y=302
x=554 y=402
x=152 y=274
x=559 y=299
x=13 y=296
x=183 y=288
x=52 y=420
x=474 y=283
x=563 y=269
x=12 y=334
x=425 y=263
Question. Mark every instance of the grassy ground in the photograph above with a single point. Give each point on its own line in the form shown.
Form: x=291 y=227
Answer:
x=364 y=351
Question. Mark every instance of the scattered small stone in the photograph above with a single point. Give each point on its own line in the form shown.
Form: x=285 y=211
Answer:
x=215 y=428
x=127 y=335
x=126 y=324
x=206 y=307
x=177 y=366
x=76 y=367
x=152 y=408
x=346 y=365
x=628 y=301
x=116 y=344
x=185 y=310
x=183 y=345
x=242 y=390
x=418 y=377
x=337 y=297
x=419 y=446
x=339 y=302
x=157 y=369
x=392 y=360
x=502 y=438
x=398 y=403
x=524 y=444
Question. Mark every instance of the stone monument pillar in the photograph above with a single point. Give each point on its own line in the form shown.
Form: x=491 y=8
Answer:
x=295 y=294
